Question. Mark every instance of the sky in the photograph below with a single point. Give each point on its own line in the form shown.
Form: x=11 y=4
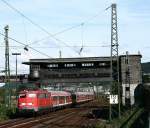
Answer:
x=92 y=31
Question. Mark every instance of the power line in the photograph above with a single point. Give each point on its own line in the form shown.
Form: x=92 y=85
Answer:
x=25 y=45
x=35 y=24
x=44 y=30
x=70 y=28
x=4 y=66
x=65 y=30
x=62 y=46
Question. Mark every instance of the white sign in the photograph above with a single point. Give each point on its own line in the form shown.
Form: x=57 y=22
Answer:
x=113 y=99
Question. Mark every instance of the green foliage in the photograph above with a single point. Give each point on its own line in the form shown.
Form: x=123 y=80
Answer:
x=146 y=78
x=21 y=87
x=2 y=93
x=114 y=88
x=6 y=113
x=3 y=112
x=24 y=86
x=146 y=67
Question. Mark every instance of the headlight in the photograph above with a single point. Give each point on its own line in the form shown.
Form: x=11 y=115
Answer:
x=23 y=103
x=29 y=103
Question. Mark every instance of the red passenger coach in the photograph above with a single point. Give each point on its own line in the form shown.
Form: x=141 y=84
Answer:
x=42 y=100
x=84 y=96
x=60 y=98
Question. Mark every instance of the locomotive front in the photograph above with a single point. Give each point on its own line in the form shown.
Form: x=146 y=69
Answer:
x=27 y=101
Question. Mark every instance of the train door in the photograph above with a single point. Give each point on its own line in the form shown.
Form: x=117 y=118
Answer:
x=58 y=102
x=66 y=100
x=32 y=99
x=47 y=100
x=22 y=100
x=74 y=98
x=41 y=100
x=55 y=101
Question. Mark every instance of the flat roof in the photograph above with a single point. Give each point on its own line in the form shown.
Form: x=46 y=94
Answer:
x=71 y=60
x=67 y=60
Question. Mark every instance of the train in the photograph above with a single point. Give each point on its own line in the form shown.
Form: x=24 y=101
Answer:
x=36 y=101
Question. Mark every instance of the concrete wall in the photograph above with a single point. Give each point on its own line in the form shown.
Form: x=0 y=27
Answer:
x=132 y=89
x=135 y=75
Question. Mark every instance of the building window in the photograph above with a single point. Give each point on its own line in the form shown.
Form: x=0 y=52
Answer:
x=52 y=65
x=87 y=64
x=102 y=64
x=70 y=65
x=35 y=67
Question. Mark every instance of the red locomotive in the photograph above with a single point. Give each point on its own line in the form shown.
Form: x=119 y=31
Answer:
x=42 y=100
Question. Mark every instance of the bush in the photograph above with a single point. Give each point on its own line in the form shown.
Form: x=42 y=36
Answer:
x=6 y=113
x=3 y=113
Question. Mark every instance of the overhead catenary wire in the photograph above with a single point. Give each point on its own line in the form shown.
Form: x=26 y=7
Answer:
x=62 y=31
x=4 y=67
x=70 y=28
x=61 y=46
x=44 y=30
x=37 y=25
x=11 y=65
x=25 y=45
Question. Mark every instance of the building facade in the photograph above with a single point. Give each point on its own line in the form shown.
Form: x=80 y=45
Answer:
x=131 y=76
x=88 y=70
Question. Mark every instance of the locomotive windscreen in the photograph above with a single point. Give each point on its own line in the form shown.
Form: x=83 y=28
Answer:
x=32 y=95
x=22 y=95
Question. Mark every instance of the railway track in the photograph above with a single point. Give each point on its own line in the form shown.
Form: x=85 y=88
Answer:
x=66 y=118
x=29 y=122
x=4 y=123
x=52 y=120
x=13 y=122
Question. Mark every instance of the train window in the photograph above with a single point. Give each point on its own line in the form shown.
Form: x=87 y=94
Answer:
x=41 y=95
x=32 y=95
x=55 y=98
x=22 y=95
x=62 y=98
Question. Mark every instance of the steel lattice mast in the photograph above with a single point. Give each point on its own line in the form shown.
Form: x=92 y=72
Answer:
x=114 y=54
x=7 y=68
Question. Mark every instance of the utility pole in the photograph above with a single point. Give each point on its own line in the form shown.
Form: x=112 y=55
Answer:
x=114 y=56
x=16 y=54
x=7 y=67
